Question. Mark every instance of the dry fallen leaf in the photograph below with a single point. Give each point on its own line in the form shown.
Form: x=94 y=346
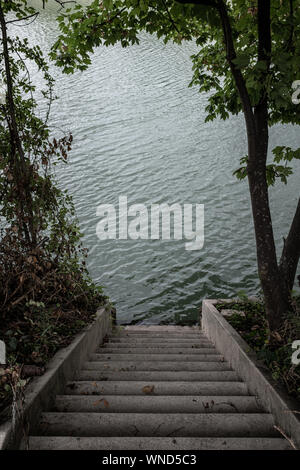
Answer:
x=148 y=389
x=97 y=402
x=105 y=402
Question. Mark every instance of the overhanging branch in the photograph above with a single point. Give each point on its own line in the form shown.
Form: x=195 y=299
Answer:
x=236 y=72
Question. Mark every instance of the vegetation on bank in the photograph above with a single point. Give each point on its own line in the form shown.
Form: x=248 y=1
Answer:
x=46 y=293
x=253 y=327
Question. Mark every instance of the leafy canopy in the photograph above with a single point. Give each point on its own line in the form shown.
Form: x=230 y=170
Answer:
x=109 y=22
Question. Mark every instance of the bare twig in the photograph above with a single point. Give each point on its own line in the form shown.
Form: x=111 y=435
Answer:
x=16 y=21
x=284 y=435
x=62 y=3
x=170 y=16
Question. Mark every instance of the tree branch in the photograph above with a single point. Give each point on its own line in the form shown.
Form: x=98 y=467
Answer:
x=170 y=16
x=13 y=125
x=231 y=55
x=34 y=15
x=237 y=74
x=263 y=52
x=16 y=151
x=289 y=46
x=264 y=31
x=62 y=3
x=264 y=49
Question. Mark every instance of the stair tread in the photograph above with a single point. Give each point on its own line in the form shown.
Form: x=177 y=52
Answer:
x=147 y=345
x=118 y=356
x=158 y=339
x=157 y=443
x=94 y=387
x=146 y=336
x=158 y=375
x=157 y=404
x=162 y=424
x=94 y=364
x=160 y=328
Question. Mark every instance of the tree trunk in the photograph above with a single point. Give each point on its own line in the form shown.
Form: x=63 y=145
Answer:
x=17 y=158
x=276 y=281
x=276 y=295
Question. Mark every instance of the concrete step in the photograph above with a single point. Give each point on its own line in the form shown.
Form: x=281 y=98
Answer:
x=157 y=404
x=127 y=357
x=137 y=388
x=146 y=350
x=164 y=346
x=157 y=443
x=148 y=336
x=160 y=329
x=163 y=341
x=120 y=366
x=152 y=424
x=157 y=376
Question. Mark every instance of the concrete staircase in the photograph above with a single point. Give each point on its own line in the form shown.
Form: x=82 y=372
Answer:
x=157 y=388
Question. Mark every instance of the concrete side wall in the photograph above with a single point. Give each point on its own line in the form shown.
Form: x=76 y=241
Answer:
x=40 y=393
x=257 y=377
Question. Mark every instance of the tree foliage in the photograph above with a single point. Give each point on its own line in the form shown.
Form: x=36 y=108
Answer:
x=46 y=294
x=108 y=22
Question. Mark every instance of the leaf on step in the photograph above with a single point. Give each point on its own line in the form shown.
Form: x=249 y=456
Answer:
x=105 y=402
x=97 y=402
x=148 y=389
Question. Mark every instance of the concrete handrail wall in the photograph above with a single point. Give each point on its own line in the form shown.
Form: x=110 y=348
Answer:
x=40 y=393
x=257 y=376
